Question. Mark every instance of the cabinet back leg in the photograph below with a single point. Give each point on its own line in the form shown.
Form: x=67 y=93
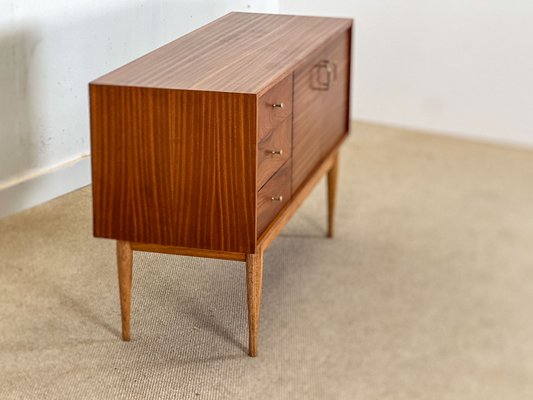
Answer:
x=332 y=192
x=125 y=264
x=254 y=280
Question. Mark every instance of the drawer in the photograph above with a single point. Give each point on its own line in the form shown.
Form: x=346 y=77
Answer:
x=275 y=106
x=273 y=151
x=272 y=197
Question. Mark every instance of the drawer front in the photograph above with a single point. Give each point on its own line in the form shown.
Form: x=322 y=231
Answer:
x=275 y=106
x=273 y=151
x=272 y=197
x=320 y=106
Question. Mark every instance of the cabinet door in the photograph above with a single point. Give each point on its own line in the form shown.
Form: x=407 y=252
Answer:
x=320 y=110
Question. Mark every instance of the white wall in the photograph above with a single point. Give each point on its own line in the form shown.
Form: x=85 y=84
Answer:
x=462 y=67
x=455 y=66
x=49 y=51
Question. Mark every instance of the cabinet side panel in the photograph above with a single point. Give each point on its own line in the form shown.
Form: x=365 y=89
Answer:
x=174 y=167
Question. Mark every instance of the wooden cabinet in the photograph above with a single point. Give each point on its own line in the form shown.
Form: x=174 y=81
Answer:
x=208 y=145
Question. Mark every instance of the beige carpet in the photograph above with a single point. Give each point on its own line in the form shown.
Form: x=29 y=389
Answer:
x=425 y=293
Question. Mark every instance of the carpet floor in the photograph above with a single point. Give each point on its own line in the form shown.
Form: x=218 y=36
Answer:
x=425 y=293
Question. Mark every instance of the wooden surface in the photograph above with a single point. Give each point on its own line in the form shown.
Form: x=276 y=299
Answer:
x=279 y=139
x=254 y=282
x=279 y=186
x=270 y=117
x=174 y=167
x=333 y=174
x=240 y=52
x=125 y=266
x=320 y=116
x=187 y=251
x=297 y=198
x=337 y=123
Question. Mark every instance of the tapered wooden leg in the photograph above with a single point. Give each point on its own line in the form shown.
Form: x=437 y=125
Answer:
x=254 y=279
x=125 y=263
x=332 y=191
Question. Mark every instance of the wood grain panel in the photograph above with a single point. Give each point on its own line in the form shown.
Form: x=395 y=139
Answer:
x=279 y=186
x=271 y=117
x=240 y=52
x=338 y=123
x=320 y=116
x=174 y=167
x=297 y=198
x=279 y=139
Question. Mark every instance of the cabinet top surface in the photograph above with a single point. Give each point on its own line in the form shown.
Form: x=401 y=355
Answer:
x=239 y=52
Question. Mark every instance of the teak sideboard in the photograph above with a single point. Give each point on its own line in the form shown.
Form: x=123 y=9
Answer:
x=208 y=145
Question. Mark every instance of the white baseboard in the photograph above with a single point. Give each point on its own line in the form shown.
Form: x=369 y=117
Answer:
x=44 y=186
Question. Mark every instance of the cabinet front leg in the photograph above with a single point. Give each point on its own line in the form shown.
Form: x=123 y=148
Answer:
x=125 y=263
x=332 y=191
x=254 y=279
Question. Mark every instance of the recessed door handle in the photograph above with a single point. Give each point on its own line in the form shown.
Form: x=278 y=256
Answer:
x=331 y=75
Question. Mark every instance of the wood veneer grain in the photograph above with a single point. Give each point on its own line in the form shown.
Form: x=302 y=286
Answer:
x=297 y=198
x=271 y=117
x=240 y=52
x=174 y=167
x=279 y=139
x=320 y=116
x=278 y=188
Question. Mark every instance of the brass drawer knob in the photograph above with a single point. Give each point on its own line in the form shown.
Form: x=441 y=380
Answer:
x=276 y=152
x=277 y=105
x=279 y=198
